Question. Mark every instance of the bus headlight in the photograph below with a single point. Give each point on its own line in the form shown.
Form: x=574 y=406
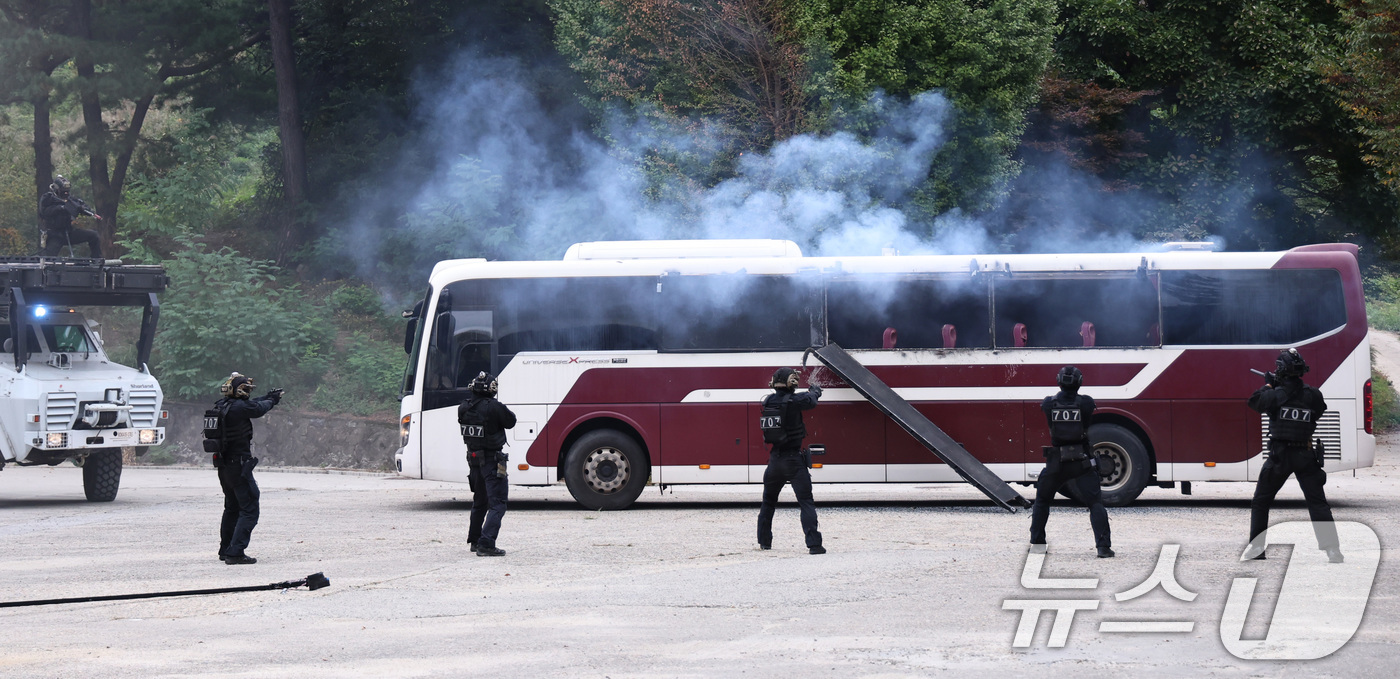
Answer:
x=57 y=440
x=403 y=430
x=146 y=437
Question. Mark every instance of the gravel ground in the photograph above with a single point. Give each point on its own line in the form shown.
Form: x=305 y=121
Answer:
x=913 y=584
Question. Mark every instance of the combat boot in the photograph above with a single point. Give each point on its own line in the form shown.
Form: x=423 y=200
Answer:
x=1105 y=553
x=485 y=549
x=239 y=560
x=817 y=550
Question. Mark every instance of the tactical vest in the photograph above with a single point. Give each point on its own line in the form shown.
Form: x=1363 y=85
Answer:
x=1294 y=420
x=215 y=435
x=480 y=429
x=1067 y=423
x=772 y=420
x=780 y=422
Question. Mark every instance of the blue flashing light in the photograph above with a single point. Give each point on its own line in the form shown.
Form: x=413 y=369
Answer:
x=40 y=311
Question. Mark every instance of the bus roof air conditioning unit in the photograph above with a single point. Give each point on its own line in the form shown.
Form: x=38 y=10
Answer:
x=682 y=249
x=1188 y=246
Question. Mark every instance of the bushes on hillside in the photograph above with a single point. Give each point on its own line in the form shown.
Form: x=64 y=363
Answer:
x=331 y=349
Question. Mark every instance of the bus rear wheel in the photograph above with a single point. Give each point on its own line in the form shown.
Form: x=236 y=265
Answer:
x=102 y=474
x=606 y=469
x=1123 y=465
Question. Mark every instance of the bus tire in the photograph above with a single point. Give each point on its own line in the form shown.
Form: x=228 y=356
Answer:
x=1123 y=454
x=102 y=474
x=606 y=469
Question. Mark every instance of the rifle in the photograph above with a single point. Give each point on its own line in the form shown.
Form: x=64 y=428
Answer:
x=83 y=207
x=1269 y=378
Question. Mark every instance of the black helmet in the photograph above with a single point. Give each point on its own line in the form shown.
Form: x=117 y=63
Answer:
x=484 y=384
x=1069 y=378
x=1290 y=364
x=237 y=385
x=785 y=378
x=60 y=186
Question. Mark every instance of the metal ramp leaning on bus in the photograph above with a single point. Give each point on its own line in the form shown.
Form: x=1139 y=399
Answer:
x=921 y=428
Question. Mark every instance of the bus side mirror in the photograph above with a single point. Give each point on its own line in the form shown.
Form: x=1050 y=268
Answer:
x=408 y=332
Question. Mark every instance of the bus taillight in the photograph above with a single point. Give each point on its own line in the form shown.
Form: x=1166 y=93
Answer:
x=1366 y=395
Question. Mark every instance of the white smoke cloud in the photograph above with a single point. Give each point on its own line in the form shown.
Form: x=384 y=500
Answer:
x=507 y=180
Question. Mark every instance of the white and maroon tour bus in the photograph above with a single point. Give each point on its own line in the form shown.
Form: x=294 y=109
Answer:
x=641 y=362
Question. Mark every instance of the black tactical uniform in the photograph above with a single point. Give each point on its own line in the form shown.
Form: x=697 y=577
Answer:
x=1293 y=409
x=57 y=208
x=236 y=465
x=787 y=463
x=1070 y=460
x=484 y=422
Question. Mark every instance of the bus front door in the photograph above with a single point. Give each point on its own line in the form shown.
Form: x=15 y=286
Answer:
x=461 y=346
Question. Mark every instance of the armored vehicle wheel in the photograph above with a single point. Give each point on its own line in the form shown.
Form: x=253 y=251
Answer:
x=102 y=474
x=606 y=469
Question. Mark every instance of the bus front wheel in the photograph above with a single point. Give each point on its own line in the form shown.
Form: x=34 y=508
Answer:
x=606 y=469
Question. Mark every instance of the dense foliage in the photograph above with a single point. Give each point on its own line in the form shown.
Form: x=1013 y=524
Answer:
x=226 y=306
x=771 y=69
x=437 y=129
x=1367 y=71
x=1246 y=139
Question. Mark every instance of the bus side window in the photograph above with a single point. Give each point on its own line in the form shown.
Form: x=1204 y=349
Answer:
x=863 y=311
x=1268 y=306
x=1076 y=310
x=575 y=315
x=737 y=312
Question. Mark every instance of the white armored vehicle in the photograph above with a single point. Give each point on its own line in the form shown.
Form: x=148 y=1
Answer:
x=61 y=397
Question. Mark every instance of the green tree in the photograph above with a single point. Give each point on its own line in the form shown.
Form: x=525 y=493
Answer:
x=34 y=41
x=771 y=69
x=131 y=56
x=739 y=61
x=1246 y=139
x=193 y=178
x=369 y=70
x=986 y=56
x=1367 y=72
x=225 y=312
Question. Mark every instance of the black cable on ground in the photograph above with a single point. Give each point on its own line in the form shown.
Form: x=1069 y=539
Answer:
x=312 y=582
